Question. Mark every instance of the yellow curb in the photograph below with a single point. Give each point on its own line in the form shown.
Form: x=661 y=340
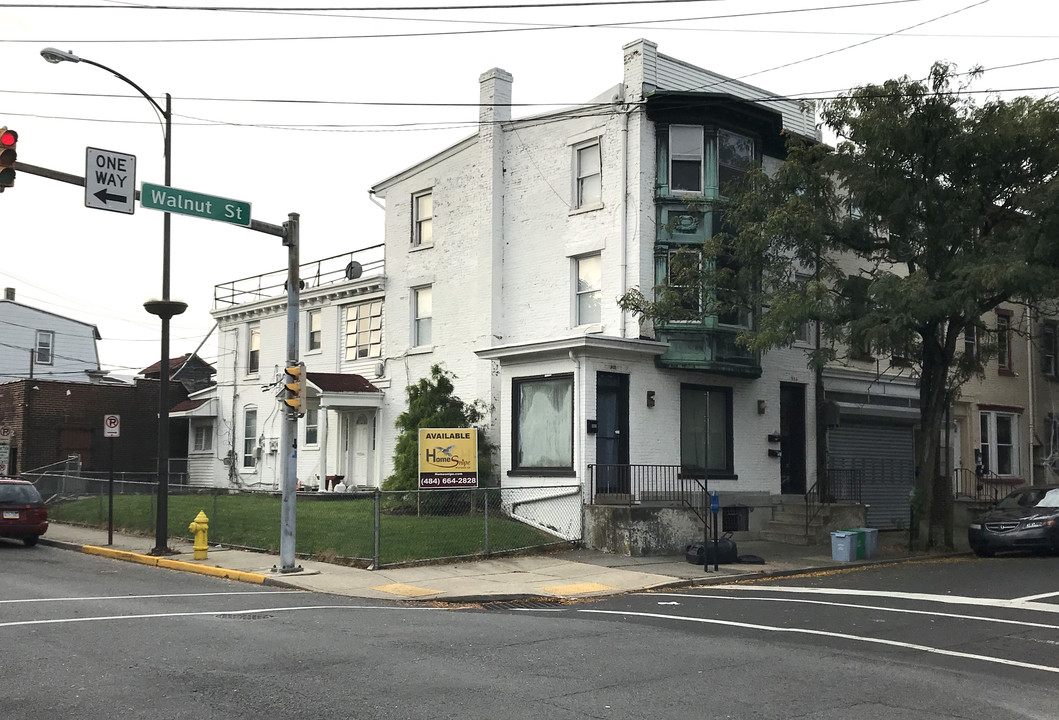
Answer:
x=577 y=589
x=225 y=573
x=406 y=590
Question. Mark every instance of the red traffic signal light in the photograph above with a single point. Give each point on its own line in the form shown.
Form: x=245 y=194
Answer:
x=8 y=155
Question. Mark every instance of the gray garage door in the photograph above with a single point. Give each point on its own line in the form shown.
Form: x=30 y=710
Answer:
x=882 y=460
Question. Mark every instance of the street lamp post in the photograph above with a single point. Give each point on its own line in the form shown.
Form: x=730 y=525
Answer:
x=165 y=308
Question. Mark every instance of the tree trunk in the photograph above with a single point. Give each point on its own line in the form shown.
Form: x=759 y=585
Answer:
x=931 y=501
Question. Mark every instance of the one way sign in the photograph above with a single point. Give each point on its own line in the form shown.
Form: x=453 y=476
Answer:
x=110 y=181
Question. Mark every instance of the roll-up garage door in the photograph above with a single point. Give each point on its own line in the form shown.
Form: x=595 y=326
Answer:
x=881 y=459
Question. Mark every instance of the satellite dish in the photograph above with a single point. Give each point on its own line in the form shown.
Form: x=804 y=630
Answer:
x=301 y=285
x=353 y=270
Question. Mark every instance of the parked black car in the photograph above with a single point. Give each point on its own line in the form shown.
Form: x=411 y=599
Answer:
x=1027 y=519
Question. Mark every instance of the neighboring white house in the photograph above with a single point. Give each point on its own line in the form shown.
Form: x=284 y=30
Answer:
x=505 y=255
x=40 y=344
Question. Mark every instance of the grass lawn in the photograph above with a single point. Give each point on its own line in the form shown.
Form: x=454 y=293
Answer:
x=341 y=528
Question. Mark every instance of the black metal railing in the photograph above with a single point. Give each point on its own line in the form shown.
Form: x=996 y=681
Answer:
x=843 y=486
x=646 y=484
x=982 y=485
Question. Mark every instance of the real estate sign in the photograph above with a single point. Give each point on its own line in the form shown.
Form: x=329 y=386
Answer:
x=448 y=458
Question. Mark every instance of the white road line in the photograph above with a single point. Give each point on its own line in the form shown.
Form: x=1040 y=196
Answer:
x=1017 y=603
x=150 y=616
x=151 y=597
x=800 y=601
x=841 y=636
x=1038 y=597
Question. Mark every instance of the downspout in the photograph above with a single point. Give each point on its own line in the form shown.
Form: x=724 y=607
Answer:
x=624 y=208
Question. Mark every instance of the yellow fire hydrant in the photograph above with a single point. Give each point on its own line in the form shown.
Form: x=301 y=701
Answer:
x=200 y=526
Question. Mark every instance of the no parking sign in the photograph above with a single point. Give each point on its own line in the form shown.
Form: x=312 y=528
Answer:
x=112 y=426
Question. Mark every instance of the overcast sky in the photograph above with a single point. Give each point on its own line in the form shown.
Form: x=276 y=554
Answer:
x=304 y=110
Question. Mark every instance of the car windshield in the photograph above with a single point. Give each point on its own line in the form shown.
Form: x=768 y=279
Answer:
x=18 y=494
x=1031 y=497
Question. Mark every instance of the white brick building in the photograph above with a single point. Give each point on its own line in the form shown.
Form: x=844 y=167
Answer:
x=505 y=254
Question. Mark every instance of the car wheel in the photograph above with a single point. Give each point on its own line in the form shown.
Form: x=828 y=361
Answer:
x=983 y=552
x=30 y=540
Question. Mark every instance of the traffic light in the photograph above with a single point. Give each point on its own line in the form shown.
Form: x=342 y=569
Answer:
x=294 y=388
x=8 y=154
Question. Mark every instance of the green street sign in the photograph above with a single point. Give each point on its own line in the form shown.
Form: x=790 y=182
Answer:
x=186 y=202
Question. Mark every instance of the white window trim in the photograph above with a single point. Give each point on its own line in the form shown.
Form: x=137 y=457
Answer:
x=416 y=241
x=344 y=336
x=990 y=443
x=207 y=434
x=250 y=331
x=578 y=293
x=50 y=334
x=316 y=412
x=414 y=296
x=576 y=206
x=256 y=452
x=309 y=315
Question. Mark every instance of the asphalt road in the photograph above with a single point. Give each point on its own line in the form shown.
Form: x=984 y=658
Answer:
x=86 y=637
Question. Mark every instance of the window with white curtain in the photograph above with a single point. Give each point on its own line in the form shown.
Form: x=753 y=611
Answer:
x=543 y=423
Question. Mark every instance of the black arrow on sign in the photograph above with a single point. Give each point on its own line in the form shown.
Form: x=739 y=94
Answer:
x=103 y=196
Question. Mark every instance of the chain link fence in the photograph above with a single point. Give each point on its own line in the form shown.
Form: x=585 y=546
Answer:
x=366 y=529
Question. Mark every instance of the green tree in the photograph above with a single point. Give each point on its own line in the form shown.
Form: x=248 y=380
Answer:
x=931 y=211
x=432 y=404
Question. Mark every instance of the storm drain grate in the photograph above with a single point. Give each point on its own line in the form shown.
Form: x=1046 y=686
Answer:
x=524 y=605
x=243 y=616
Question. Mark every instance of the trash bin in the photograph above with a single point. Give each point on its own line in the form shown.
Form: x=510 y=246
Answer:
x=871 y=541
x=860 y=542
x=843 y=546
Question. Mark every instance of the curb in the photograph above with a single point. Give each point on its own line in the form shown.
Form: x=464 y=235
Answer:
x=249 y=577
x=151 y=560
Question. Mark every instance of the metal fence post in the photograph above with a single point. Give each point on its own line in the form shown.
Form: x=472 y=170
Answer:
x=375 y=555
x=486 y=497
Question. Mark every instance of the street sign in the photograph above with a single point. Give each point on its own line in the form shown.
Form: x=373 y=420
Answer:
x=186 y=202
x=110 y=181
x=112 y=426
x=6 y=433
x=5 y=458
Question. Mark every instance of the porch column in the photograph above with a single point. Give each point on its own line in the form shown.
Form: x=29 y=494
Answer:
x=323 y=448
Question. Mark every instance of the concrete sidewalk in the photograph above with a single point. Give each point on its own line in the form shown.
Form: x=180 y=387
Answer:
x=567 y=574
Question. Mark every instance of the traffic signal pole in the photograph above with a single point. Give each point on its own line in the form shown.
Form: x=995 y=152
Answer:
x=289 y=430
x=289 y=233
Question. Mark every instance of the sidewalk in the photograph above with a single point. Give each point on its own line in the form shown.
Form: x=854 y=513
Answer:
x=567 y=574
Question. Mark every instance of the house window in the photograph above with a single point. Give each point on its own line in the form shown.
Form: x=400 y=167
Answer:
x=312 y=426
x=203 y=440
x=685 y=158
x=1049 y=335
x=735 y=155
x=423 y=219
x=1000 y=442
x=684 y=278
x=589 y=278
x=706 y=430
x=250 y=438
x=253 y=354
x=364 y=330
x=422 y=311
x=1003 y=341
x=970 y=342
x=543 y=430
x=44 y=348
x=588 y=176
x=314 y=341
x=804 y=332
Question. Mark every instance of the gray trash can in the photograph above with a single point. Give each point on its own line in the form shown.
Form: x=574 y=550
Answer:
x=843 y=546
